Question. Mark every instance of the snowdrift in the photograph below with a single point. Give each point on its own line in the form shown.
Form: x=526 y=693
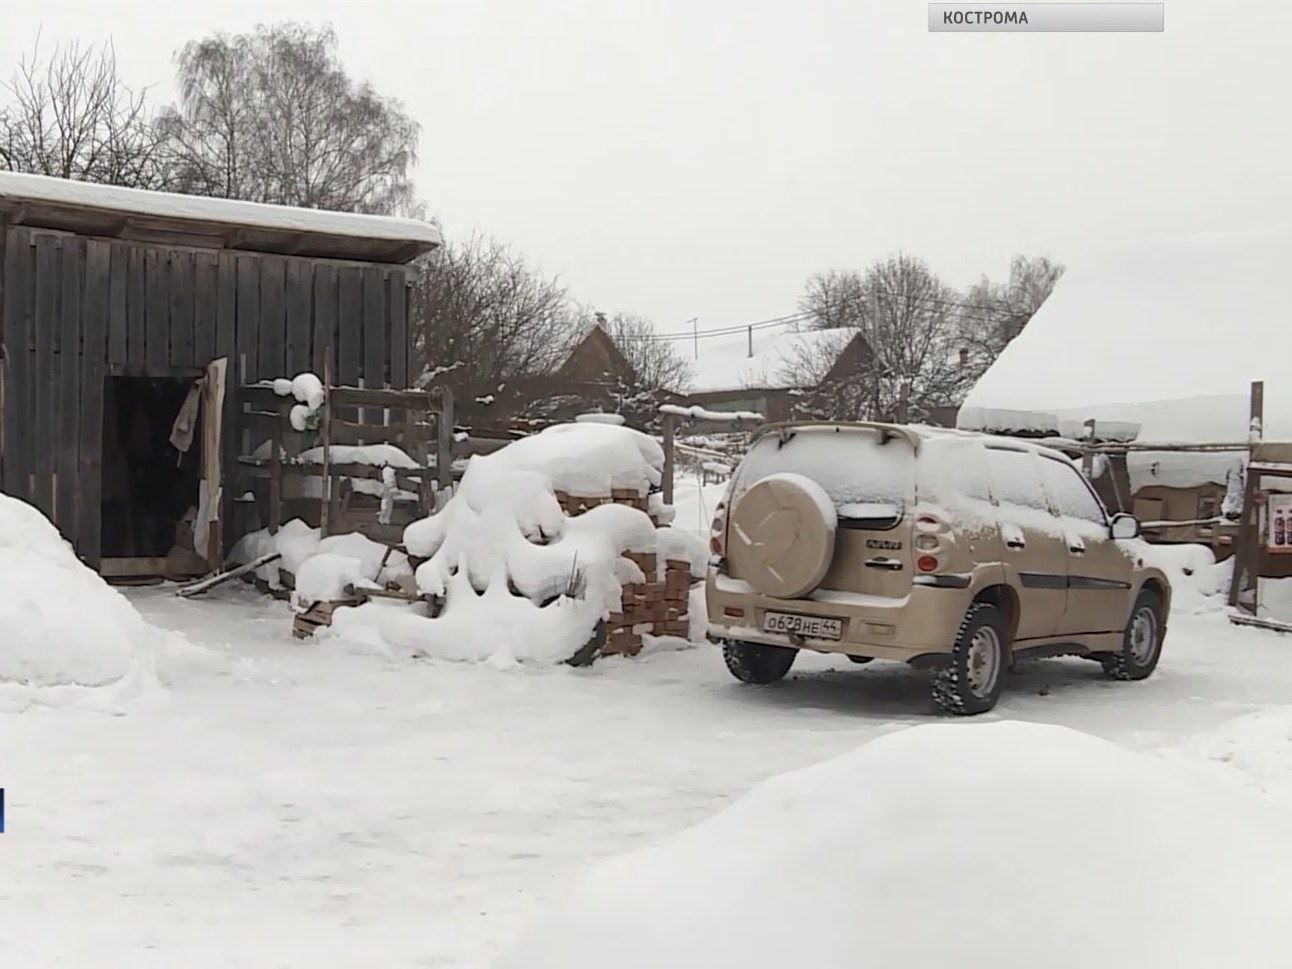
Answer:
x=1199 y=584
x=1008 y=844
x=62 y=625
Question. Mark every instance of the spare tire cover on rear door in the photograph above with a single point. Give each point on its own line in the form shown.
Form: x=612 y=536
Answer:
x=780 y=537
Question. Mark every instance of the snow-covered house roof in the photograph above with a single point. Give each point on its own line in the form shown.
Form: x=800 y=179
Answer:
x=1132 y=332
x=1166 y=335
x=725 y=363
x=127 y=213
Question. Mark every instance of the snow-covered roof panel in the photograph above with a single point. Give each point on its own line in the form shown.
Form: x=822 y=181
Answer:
x=1185 y=318
x=59 y=203
x=779 y=360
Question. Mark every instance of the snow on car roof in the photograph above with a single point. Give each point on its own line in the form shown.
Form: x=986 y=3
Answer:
x=72 y=196
x=1167 y=334
x=725 y=363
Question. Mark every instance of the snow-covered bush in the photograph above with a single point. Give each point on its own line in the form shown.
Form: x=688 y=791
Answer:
x=1008 y=844
x=60 y=623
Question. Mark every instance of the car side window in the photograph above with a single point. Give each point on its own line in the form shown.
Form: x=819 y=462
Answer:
x=1015 y=479
x=1068 y=490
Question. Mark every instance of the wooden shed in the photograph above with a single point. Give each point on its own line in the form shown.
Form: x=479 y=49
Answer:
x=116 y=303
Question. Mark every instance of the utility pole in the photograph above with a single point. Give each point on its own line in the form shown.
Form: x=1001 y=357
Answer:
x=750 y=332
x=695 y=334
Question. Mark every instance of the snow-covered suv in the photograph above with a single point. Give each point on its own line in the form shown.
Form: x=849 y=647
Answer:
x=958 y=553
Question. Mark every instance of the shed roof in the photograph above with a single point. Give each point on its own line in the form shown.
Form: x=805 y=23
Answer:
x=164 y=217
x=1167 y=334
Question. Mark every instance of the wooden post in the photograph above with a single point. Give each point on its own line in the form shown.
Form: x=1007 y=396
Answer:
x=903 y=394
x=669 y=421
x=1256 y=427
x=1088 y=456
x=444 y=448
x=1247 y=558
x=325 y=509
x=276 y=471
x=1246 y=543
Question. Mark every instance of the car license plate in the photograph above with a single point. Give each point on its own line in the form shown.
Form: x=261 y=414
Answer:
x=813 y=627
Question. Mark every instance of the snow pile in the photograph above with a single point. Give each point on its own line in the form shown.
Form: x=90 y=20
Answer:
x=580 y=459
x=62 y=624
x=308 y=389
x=372 y=455
x=698 y=413
x=1254 y=749
x=322 y=567
x=1199 y=583
x=1005 y=844
x=520 y=581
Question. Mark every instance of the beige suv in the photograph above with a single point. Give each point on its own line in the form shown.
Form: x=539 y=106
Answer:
x=958 y=553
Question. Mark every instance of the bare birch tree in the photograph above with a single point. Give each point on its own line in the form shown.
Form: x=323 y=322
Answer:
x=272 y=116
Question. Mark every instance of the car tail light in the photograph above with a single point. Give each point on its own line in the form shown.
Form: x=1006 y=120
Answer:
x=926 y=563
x=733 y=612
x=927 y=543
x=927 y=523
x=718 y=529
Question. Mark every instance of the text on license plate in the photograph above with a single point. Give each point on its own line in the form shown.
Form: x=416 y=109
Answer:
x=813 y=627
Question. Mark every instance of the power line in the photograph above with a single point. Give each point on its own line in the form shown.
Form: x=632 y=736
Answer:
x=803 y=316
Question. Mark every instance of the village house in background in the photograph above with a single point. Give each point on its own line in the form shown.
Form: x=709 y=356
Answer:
x=763 y=371
x=130 y=321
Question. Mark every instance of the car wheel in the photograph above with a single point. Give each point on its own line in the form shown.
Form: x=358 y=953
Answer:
x=1142 y=641
x=973 y=679
x=859 y=659
x=756 y=663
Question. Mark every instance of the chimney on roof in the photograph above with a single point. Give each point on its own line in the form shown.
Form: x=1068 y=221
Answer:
x=601 y=319
x=964 y=356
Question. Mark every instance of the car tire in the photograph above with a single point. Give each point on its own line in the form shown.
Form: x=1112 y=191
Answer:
x=859 y=659
x=973 y=679
x=1141 y=642
x=756 y=663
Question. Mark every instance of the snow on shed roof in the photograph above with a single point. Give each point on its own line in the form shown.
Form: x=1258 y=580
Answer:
x=59 y=203
x=1167 y=334
x=724 y=362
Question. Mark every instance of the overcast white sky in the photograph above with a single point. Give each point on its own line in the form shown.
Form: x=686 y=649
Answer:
x=702 y=158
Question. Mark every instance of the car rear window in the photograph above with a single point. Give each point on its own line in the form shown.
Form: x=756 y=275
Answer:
x=864 y=475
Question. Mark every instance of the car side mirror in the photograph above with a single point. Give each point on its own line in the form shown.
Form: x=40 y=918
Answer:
x=1125 y=526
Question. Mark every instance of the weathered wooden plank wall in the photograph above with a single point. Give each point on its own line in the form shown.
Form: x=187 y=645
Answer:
x=19 y=369
x=76 y=310
x=68 y=441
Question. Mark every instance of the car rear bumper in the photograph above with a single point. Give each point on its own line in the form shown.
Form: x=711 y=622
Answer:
x=922 y=622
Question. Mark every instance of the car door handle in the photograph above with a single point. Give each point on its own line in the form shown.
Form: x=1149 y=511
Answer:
x=892 y=565
x=1077 y=549
x=1015 y=543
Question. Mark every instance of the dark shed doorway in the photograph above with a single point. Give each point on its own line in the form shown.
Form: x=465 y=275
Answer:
x=151 y=489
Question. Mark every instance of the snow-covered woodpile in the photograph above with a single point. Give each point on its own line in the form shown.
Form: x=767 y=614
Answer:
x=554 y=548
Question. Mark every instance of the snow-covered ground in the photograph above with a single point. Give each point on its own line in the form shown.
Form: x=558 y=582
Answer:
x=285 y=804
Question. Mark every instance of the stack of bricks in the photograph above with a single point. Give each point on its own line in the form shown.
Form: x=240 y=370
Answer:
x=577 y=504
x=657 y=605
